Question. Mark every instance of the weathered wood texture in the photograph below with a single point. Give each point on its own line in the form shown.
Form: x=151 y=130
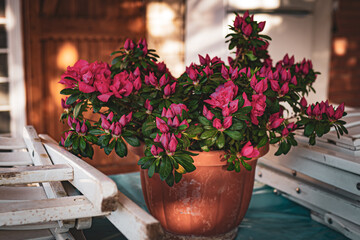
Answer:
x=56 y=34
x=345 y=69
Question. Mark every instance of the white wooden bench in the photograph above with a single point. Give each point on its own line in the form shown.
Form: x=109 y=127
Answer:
x=37 y=196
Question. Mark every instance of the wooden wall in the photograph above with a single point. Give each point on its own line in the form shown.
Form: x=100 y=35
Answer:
x=345 y=59
x=59 y=32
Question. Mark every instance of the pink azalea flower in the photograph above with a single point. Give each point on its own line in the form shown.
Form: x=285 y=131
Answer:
x=223 y=95
x=275 y=120
x=339 y=111
x=249 y=151
x=129 y=44
x=178 y=108
x=258 y=107
x=148 y=106
x=303 y=102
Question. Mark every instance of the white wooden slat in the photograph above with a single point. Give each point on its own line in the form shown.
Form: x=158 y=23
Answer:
x=62 y=236
x=43 y=234
x=133 y=222
x=11 y=143
x=21 y=193
x=38 y=211
x=339 y=205
x=96 y=186
x=329 y=157
x=315 y=169
x=45 y=225
x=15 y=159
x=35 y=174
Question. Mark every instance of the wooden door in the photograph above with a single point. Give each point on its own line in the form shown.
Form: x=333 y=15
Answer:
x=57 y=34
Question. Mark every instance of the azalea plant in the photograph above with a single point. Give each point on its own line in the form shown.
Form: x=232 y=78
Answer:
x=235 y=107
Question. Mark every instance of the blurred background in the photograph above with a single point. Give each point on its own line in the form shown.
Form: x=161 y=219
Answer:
x=40 y=38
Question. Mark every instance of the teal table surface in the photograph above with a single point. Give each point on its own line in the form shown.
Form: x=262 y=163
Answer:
x=270 y=216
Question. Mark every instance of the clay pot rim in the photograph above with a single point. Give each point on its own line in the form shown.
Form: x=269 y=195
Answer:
x=211 y=158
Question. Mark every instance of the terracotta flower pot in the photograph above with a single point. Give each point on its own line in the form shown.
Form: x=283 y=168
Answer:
x=209 y=202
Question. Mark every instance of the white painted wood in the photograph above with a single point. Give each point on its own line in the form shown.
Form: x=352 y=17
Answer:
x=316 y=169
x=35 y=174
x=348 y=208
x=62 y=236
x=134 y=222
x=21 y=193
x=11 y=143
x=45 y=225
x=15 y=158
x=43 y=234
x=16 y=67
x=44 y=210
x=96 y=186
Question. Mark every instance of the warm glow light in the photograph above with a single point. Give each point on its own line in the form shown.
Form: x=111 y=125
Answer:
x=254 y=4
x=160 y=19
x=66 y=56
x=340 y=46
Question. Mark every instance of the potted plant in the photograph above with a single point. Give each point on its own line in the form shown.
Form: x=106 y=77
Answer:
x=200 y=134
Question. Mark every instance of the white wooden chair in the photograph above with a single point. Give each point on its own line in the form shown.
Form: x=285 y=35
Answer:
x=37 y=181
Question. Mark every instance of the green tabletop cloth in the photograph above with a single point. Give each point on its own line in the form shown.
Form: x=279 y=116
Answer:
x=270 y=216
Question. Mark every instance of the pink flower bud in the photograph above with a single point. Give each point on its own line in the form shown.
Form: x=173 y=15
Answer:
x=157 y=138
x=247 y=30
x=330 y=111
x=137 y=83
x=234 y=106
x=163 y=80
x=227 y=122
x=224 y=72
x=78 y=128
x=161 y=125
x=110 y=116
x=84 y=128
x=128 y=117
x=274 y=85
x=253 y=81
x=285 y=132
x=154 y=150
x=63 y=104
x=122 y=120
x=164 y=139
x=167 y=90
x=303 y=102
x=339 y=111
x=316 y=110
x=261 y=26
x=293 y=80
x=217 y=124
x=117 y=129
x=148 y=105
x=208 y=71
x=309 y=111
x=207 y=113
x=247 y=102
x=173 y=144
x=129 y=44
x=193 y=74
x=284 y=89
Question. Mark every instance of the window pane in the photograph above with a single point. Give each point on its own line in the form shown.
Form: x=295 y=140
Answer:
x=3 y=65
x=4 y=94
x=2 y=8
x=4 y=122
x=3 y=41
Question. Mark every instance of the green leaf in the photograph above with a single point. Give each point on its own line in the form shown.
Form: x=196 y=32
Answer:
x=165 y=168
x=133 y=141
x=104 y=140
x=72 y=98
x=82 y=143
x=68 y=91
x=231 y=167
x=188 y=166
x=234 y=134
x=182 y=127
x=143 y=160
x=221 y=141
x=204 y=121
x=77 y=109
x=96 y=131
x=263 y=141
x=208 y=134
x=151 y=170
x=178 y=177
x=170 y=180
x=76 y=143
x=309 y=129
x=120 y=148
x=68 y=142
x=246 y=165
x=108 y=149
x=275 y=140
x=237 y=126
